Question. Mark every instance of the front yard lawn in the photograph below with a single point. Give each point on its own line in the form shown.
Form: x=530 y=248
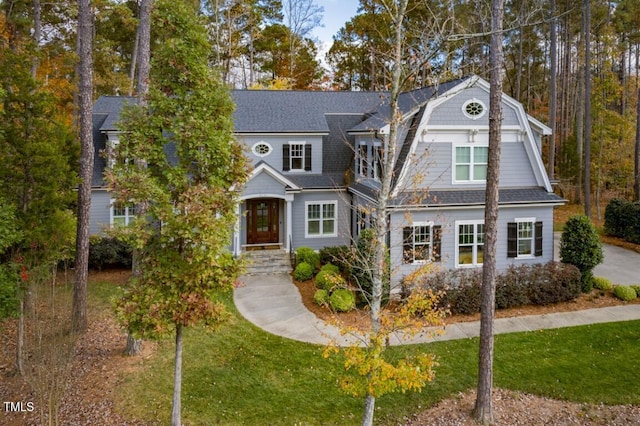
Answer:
x=242 y=375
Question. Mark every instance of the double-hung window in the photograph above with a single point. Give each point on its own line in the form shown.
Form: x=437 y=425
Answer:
x=296 y=157
x=471 y=163
x=321 y=219
x=421 y=243
x=524 y=238
x=122 y=214
x=470 y=243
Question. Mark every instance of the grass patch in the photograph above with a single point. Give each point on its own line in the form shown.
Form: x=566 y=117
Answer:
x=243 y=375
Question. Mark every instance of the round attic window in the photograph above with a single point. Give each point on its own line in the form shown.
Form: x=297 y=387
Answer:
x=262 y=149
x=474 y=109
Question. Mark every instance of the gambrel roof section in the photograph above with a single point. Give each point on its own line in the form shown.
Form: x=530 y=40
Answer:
x=525 y=122
x=106 y=112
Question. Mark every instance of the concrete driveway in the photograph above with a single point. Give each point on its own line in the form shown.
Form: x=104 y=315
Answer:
x=620 y=265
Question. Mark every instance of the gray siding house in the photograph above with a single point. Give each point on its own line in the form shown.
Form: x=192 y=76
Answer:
x=316 y=163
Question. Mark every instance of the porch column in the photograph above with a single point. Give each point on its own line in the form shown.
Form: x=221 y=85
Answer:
x=236 y=232
x=288 y=198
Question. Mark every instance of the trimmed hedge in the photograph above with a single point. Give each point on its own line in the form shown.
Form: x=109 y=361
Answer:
x=341 y=256
x=329 y=280
x=303 y=272
x=307 y=255
x=342 y=300
x=625 y=292
x=580 y=246
x=321 y=297
x=622 y=220
x=331 y=268
x=602 y=283
x=540 y=284
x=109 y=252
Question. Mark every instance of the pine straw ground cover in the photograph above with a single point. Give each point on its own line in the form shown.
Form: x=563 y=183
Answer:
x=245 y=376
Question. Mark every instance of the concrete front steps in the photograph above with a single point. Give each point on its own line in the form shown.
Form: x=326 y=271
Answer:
x=267 y=262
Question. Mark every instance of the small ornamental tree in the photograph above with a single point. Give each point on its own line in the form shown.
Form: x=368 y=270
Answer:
x=187 y=163
x=369 y=372
x=580 y=246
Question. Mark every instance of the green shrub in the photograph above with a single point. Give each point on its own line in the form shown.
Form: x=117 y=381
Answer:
x=580 y=246
x=321 y=297
x=307 y=255
x=362 y=272
x=331 y=268
x=330 y=280
x=602 y=283
x=540 y=284
x=622 y=220
x=108 y=252
x=636 y=287
x=303 y=272
x=554 y=283
x=341 y=256
x=9 y=301
x=342 y=300
x=511 y=287
x=625 y=292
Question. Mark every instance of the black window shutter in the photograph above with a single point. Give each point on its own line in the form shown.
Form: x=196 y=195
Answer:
x=407 y=244
x=512 y=239
x=437 y=243
x=538 y=248
x=307 y=157
x=285 y=158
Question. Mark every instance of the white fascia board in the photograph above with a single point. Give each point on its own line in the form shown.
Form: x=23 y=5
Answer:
x=264 y=167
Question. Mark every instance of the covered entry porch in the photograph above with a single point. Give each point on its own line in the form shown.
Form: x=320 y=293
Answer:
x=263 y=223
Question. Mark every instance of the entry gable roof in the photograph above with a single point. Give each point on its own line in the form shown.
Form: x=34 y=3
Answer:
x=262 y=167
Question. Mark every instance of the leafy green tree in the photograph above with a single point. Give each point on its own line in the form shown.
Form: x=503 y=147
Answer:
x=273 y=57
x=580 y=246
x=9 y=235
x=187 y=163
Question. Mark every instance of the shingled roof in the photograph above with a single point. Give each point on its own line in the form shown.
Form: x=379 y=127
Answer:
x=285 y=111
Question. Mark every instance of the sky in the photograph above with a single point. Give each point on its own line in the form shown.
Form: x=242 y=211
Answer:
x=336 y=13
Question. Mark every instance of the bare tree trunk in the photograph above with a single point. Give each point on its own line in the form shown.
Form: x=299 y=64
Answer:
x=85 y=89
x=483 y=411
x=587 y=108
x=369 y=407
x=580 y=135
x=20 y=342
x=144 y=48
x=134 y=62
x=389 y=155
x=553 y=95
x=636 y=180
x=134 y=346
x=177 y=380
x=37 y=35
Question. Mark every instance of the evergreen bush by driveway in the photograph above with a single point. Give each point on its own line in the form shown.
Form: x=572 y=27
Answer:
x=580 y=246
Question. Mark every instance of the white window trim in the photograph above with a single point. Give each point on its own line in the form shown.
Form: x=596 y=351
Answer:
x=414 y=225
x=291 y=169
x=474 y=117
x=471 y=164
x=128 y=216
x=532 y=220
x=376 y=160
x=255 y=146
x=475 y=243
x=335 y=219
x=362 y=161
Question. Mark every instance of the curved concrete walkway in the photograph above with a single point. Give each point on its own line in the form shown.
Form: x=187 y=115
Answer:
x=273 y=303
